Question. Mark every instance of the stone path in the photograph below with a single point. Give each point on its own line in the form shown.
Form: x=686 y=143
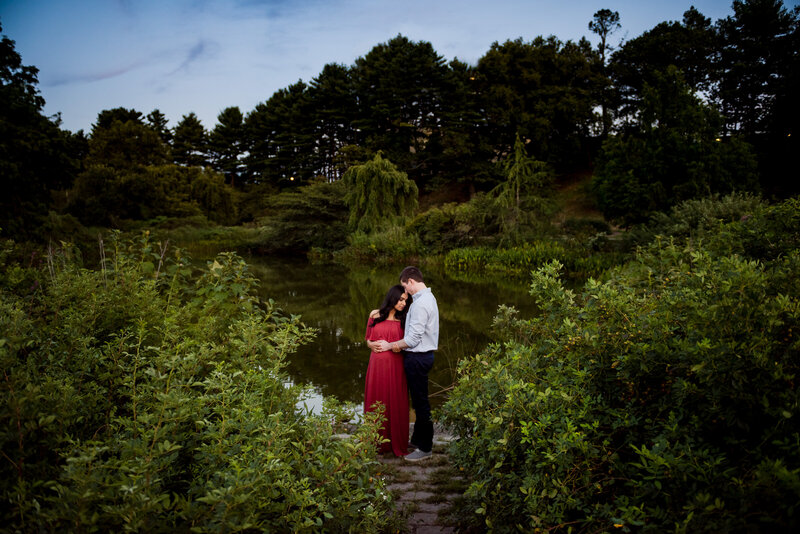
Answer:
x=425 y=491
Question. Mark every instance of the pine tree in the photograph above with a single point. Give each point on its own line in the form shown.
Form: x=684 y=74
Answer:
x=34 y=151
x=334 y=108
x=604 y=23
x=190 y=142
x=226 y=144
x=525 y=177
x=158 y=122
x=279 y=138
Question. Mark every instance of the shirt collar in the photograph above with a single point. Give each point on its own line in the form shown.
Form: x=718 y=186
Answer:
x=419 y=293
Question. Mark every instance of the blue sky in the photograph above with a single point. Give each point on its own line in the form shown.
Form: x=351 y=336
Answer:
x=202 y=56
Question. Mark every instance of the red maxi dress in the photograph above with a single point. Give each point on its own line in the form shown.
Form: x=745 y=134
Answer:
x=386 y=383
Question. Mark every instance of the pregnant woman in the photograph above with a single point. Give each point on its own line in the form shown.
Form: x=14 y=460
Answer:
x=386 y=379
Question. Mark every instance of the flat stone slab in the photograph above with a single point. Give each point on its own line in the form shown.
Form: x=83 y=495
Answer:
x=400 y=487
x=430 y=507
x=424 y=518
x=422 y=496
x=434 y=529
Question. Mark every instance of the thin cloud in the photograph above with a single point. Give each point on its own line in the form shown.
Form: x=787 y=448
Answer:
x=94 y=76
x=196 y=52
x=200 y=49
x=278 y=9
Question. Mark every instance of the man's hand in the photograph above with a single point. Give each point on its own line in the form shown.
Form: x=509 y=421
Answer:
x=382 y=346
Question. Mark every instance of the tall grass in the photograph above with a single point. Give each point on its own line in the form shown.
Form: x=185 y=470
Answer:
x=519 y=261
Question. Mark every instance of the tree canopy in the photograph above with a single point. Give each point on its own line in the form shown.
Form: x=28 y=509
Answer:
x=672 y=152
x=378 y=194
x=35 y=154
x=446 y=124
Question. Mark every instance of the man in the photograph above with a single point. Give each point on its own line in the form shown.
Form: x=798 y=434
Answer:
x=420 y=340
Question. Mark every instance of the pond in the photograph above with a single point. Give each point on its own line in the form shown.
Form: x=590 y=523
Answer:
x=336 y=301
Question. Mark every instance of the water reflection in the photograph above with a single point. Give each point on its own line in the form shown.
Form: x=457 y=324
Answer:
x=337 y=302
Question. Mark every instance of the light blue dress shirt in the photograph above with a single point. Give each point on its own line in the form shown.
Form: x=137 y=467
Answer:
x=422 y=323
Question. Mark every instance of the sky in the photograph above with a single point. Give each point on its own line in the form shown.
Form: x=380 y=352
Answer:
x=202 y=56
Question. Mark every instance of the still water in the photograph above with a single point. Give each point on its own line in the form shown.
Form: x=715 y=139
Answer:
x=336 y=301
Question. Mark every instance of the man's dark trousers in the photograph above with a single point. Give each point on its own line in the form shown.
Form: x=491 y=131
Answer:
x=417 y=366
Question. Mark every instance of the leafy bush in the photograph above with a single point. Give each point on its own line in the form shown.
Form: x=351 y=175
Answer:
x=391 y=245
x=105 y=195
x=663 y=399
x=150 y=397
x=310 y=216
x=454 y=225
x=694 y=218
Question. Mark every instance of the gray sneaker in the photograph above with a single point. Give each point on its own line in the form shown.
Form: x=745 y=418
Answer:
x=418 y=456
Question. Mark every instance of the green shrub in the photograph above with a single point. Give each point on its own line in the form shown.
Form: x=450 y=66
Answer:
x=391 y=245
x=148 y=396
x=694 y=218
x=584 y=228
x=764 y=234
x=454 y=225
x=663 y=399
x=104 y=195
x=310 y=216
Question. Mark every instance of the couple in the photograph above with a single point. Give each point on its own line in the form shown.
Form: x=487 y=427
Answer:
x=402 y=337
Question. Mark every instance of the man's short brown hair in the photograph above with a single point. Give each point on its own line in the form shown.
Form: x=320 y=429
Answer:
x=411 y=272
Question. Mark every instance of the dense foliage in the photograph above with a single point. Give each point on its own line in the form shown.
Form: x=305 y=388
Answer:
x=311 y=216
x=149 y=396
x=687 y=109
x=663 y=398
x=378 y=194
x=670 y=153
x=36 y=156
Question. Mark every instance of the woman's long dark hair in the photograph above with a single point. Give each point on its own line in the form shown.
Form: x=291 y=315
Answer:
x=391 y=298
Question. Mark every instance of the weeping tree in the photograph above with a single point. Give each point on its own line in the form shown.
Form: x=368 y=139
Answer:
x=521 y=193
x=378 y=194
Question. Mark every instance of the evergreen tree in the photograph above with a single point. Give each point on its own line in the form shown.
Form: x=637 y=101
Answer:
x=107 y=117
x=672 y=153
x=158 y=122
x=122 y=141
x=759 y=83
x=190 y=142
x=279 y=138
x=459 y=150
x=782 y=141
x=334 y=107
x=378 y=194
x=226 y=144
x=604 y=23
x=400 y=86
x=546 y=91
x=690 y=45
x=526 y=177
x=756 y=47
x=34 y=157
